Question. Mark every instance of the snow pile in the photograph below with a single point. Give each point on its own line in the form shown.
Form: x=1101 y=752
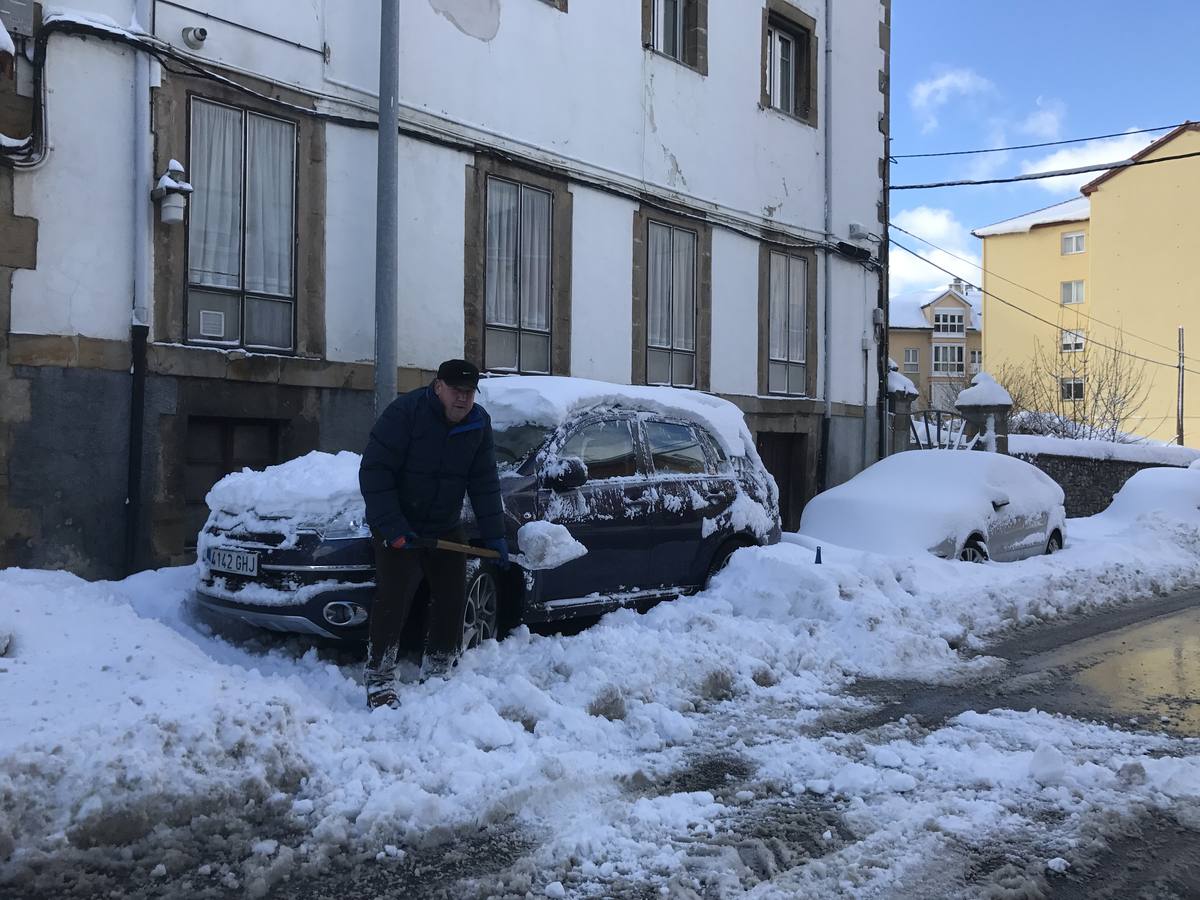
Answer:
x=1152 y=494
x=902 y=504
x=1156 y=454
x=899 y=384
x=984 y=391
x=549 y=401
x=546 y=545
x=1078 y=209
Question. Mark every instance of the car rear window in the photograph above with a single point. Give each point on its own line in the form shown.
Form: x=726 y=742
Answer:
x=675 y=448
x=513 y=445
x=606 y=448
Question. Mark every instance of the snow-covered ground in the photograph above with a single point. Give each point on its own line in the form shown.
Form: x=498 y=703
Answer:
x=128 y=731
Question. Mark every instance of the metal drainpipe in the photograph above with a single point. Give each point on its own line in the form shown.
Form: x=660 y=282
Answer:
x=140 y=319
x=827 y=418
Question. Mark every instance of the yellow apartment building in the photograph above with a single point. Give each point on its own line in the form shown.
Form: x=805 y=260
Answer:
x=934 y=337
x=1118 y=261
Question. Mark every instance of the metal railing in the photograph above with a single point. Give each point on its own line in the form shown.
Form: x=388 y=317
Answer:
x=939 y=429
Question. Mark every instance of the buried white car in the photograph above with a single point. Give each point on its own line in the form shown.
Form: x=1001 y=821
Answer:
x=962 y=504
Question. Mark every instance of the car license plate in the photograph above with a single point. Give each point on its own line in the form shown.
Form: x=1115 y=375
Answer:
x=235 y=562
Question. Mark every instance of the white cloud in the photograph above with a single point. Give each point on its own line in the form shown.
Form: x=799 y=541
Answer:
x=1045 y=122
x=1091 y=153
x=908 y=273
x=928 y=96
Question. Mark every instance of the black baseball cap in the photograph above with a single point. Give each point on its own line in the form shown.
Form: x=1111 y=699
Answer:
x=458 y=373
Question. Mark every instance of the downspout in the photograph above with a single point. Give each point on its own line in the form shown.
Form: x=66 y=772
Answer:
x=827 y=417
x=140 y=318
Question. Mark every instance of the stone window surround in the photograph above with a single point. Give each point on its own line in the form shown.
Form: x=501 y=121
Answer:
x=560 y=5
x=789 y=15
x=172 y=132
x=765 y=249
x=475 y=255
x=641 y=225
x=695 y=39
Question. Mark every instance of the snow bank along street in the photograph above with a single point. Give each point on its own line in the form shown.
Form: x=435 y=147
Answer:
x=133 y=735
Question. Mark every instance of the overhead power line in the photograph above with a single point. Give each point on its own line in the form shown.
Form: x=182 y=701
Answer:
x=1056 y=303
x=1054 y=325
x=1096 y=137
x=1038 y=176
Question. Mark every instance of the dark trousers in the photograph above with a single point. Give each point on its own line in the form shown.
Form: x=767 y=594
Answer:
x=402 y=629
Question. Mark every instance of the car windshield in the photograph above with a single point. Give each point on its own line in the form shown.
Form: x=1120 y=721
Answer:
x=513 y=445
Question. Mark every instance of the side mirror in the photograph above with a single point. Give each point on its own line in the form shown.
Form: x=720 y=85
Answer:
x=999 y=503
x=564 y=474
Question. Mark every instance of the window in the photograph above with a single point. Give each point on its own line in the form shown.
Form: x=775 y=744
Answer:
x=1072 y=341
x=1072 y=292
x=789 y=61
x=788 y=339
x=241 y=228
x=678 y=29
x=948 y=323
x=671 y=306
x=1072 y=243
x=1072 y=388
x=606 y=448
x=976 y=361
x=560 y=5
x=947 y=359
x=675 y=449
x=912 y=359
x=517 y=278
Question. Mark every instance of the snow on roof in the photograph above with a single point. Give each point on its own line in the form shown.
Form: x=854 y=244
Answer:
x=549 y=400
x=900 y=384
x=908 y=310
x=984 y=391
x=6 y=41
x=1078 y=209
x=1157 y=454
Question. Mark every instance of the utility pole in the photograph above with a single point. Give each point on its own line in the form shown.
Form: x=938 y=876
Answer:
x=387 y=210
x=1179 y=404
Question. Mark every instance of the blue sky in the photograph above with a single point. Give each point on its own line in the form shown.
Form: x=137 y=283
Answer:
x=988 y=73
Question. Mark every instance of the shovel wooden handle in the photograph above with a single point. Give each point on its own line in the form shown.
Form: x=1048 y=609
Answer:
x=454 y=547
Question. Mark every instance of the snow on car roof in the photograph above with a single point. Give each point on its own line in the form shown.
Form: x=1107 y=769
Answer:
x=912 y=501
x=550 y=400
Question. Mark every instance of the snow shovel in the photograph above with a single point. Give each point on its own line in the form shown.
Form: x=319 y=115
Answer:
x=544 y=546
x=453 y=546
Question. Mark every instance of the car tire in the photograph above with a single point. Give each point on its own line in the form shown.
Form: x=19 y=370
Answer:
x=720 y=560
x=973 y=551
x=481 y=613
x=1054 y=544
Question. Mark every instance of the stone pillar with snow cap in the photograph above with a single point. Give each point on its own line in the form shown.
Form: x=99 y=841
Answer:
x=986 y=405
x=901 y=393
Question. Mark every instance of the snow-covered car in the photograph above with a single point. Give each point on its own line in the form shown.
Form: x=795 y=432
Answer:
x=956 y=504
x=660 y=485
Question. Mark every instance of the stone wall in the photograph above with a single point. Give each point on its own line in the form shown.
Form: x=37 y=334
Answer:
x=1089 y=484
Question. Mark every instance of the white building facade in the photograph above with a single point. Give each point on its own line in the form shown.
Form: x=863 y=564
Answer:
x=640 y=191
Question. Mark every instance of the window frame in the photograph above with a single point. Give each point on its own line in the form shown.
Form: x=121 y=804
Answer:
x=781 y=16
x=974 y=361
x=643 y=217
x=911 y=365
x=519 y=329
x=673 y=350
x=560 y=5
x=1078 y=240
x=693 y=39
x=1078 y=343
x=1078 y=292
x=788 y=363
x=475 y=323
x=939 y=329
x=652 y=469
x=811 y=345
x=1076 y=390
x=640 y=460
x=241 y=293
x=959 y=363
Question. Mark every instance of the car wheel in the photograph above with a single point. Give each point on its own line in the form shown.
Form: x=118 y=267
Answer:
x=1054 y=544
x=973 y=551
x=481 y=615
x=720 y=561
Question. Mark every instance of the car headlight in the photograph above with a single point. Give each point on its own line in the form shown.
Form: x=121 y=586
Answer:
x=346 y=527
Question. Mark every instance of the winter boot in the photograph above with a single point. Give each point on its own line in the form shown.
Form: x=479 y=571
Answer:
x=381 y=689
x=438 y=665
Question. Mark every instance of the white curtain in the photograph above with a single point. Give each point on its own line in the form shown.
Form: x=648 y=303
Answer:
x=535 y=259
x=658 y=286
x=683 y=300
x=503 y=235
x=215 y=221
x=797 y=285
x=270 y=231
x=778 y=291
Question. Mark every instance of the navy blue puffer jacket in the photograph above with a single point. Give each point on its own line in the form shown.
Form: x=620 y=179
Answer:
x=417 y=468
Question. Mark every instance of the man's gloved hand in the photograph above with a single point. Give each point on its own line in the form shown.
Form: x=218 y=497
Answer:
x=500 y=545
x=403 y=541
